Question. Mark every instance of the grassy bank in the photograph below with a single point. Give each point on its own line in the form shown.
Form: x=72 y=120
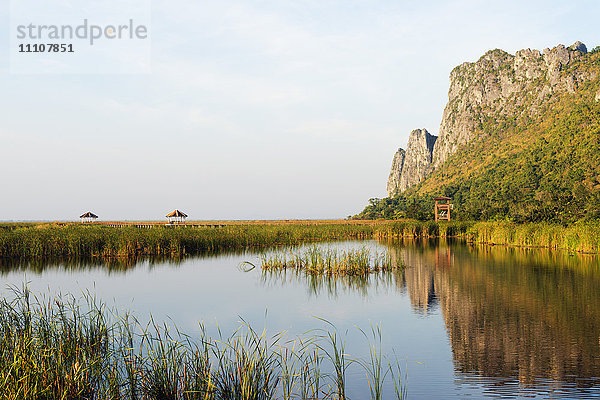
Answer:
x=77 y=240
x=421 y=229
x=67 y=349
x=98 y=241
x=579 y=237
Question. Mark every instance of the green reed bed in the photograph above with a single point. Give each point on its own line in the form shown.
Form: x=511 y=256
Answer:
x=8 y=226
x=580 y=237
x=422 y=229
x=64 y=349
x=103 y=241
x=330 y=261
x=88 y=241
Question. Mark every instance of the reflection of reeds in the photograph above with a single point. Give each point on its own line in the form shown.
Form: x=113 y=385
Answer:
x=333 y=285
x=331 y=261
x=62 y=349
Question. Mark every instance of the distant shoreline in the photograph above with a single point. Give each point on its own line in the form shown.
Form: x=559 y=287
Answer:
x=134 y=239
x=207 y=221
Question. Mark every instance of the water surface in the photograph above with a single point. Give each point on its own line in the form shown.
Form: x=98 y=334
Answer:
x=467 y=322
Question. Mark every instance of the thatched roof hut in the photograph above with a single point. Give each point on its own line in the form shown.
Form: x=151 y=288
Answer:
x=176 y=216
x=88 y=217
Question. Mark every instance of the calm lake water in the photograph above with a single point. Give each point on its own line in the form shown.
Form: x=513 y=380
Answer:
x=466 y=322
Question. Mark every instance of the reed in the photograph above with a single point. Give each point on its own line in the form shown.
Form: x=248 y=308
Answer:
x=336 y=353
x=87 y=241
x=582 y=236
x=579 y=237
x=421 y=229
x=35 y=241
x=60 y=348
x=329 y=261
x=374 y=366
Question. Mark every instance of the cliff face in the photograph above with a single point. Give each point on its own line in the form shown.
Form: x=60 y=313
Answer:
x=499 y=85
x=409 y=167
x=418 y=158
x=393 y=182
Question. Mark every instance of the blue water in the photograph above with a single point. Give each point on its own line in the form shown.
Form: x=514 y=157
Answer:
x=463 y=322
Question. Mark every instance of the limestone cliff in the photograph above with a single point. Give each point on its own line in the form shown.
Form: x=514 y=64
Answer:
x=501 y=84
x=418 y=158
x=497 y=86
x=393 y=182
x=409 y=167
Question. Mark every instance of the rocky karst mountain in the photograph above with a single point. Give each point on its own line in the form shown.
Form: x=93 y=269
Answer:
x=409 y=167
x=519 y=140
x=497 y=88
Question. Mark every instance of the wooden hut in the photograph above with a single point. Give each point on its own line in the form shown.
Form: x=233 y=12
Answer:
x=176 y=217
x=442 y=208
x=88 y=217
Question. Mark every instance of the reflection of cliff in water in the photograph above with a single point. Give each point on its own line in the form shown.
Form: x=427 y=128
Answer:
x=422 y=258
x=512 y=313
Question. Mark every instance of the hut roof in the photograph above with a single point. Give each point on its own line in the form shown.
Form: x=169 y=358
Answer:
x=176 y=213
x=442 y=198
x=88 y=215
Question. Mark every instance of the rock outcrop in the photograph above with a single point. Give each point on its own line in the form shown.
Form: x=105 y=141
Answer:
x=418 y=158
x=498 y=85
x=393 y=182
x=409 y=167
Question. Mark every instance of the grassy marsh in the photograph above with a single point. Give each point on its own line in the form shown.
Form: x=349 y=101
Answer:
x=89 y=240
x=30 y=241
x=63 y=348
x=581 y=237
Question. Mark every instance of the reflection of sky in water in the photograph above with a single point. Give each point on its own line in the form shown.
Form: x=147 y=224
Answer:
x=215 y=290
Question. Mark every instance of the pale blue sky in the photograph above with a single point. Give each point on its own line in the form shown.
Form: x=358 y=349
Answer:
x=254 y=109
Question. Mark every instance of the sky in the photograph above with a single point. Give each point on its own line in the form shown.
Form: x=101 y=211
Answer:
x=251 y=109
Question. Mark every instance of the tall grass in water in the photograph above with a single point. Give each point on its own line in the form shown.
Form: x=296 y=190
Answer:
x=340 y=361
x=377 y=368
x=421 y=229
x=579 y=237
x=52 y=350
x=330 y=261
x=63 y=349
x=87 y=241
x=583 y=236
x=104 y=241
